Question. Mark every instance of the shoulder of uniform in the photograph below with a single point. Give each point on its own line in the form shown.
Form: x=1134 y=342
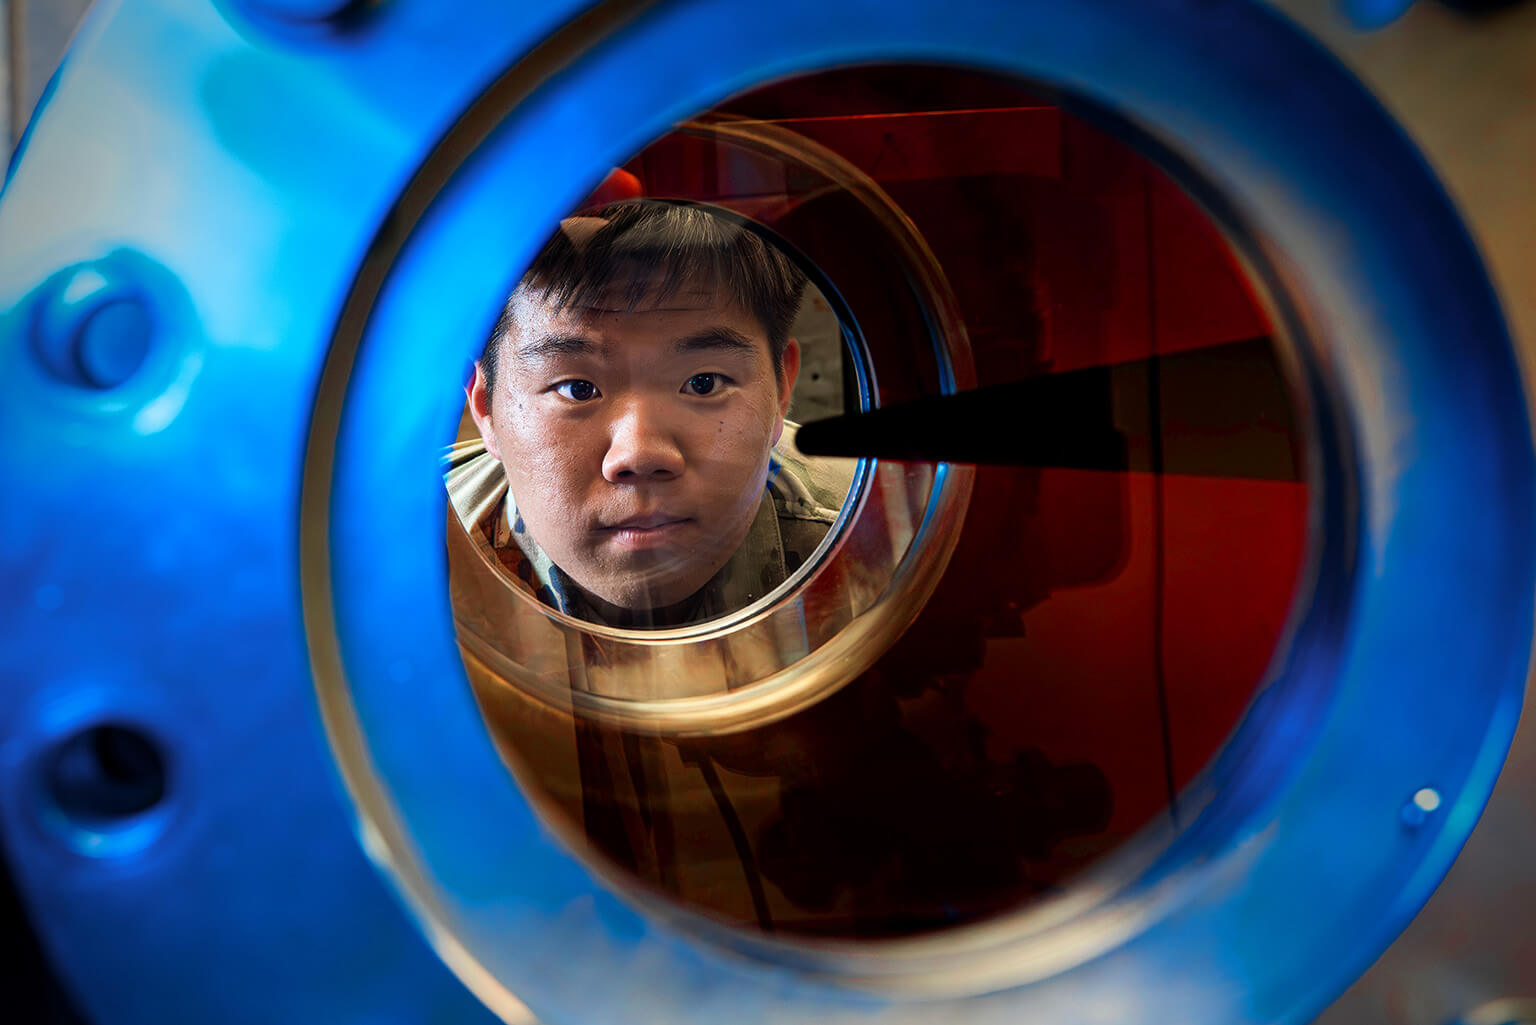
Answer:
x=805 y=487
x=475 y=480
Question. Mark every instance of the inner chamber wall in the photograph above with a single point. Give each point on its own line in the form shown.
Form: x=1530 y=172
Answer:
x=1098 y=633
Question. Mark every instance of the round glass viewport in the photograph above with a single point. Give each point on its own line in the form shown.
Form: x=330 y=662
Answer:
x=1095 y=626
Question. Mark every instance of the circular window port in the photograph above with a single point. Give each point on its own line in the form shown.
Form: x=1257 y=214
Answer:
x=1185 y=903
x=1014 y=290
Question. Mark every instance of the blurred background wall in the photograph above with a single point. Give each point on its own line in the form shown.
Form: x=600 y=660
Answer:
x=33 y=36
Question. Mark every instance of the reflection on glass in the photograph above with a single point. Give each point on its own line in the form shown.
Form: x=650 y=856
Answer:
x=635 y=466
x=1098 y=631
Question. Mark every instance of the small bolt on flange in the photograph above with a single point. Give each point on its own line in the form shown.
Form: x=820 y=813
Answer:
x=302 y=11
x=91 y=328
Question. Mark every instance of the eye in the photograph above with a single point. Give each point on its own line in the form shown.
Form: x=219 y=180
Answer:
x=578 y=391
x=702 y=384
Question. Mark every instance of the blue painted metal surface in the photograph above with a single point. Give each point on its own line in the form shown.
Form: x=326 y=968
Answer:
x=231 y=176
x=234 y=172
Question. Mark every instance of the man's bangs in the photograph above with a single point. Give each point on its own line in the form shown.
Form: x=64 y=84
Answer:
x=645 y=253
x=629 y=278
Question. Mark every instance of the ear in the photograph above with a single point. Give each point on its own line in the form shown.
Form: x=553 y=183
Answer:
x=478 y=396
x=789 y=373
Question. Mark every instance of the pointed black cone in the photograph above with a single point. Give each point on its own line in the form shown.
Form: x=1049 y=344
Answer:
x=1221 y=411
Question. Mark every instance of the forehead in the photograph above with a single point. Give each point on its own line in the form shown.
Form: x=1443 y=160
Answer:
x=621 y=311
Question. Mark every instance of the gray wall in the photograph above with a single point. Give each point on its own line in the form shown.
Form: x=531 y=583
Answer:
x=819 y=392
x=33 y=37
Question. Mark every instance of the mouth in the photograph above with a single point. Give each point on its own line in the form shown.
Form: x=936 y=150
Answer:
x=646 y=531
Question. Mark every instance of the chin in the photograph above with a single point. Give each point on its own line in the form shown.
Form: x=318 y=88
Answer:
x=648 y=590
x=655 y=596
x=650 y=579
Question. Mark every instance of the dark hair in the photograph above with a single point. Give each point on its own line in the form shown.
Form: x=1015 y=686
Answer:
x=650 y=249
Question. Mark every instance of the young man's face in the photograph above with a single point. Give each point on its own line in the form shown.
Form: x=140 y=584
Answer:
x=636 y=443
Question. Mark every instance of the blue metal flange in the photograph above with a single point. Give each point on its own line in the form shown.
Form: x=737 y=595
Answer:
x=1325 y=841
x=356 y=203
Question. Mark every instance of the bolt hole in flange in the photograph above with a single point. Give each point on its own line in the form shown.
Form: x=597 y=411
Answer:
x=101 y=785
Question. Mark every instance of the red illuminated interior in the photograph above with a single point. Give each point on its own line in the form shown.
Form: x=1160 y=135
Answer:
x=1098 y=635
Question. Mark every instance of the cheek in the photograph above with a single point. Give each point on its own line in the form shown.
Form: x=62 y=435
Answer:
x=745 y=428
x=540 y=455
x=735 y=451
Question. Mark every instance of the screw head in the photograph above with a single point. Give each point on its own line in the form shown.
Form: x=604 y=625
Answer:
x=1418 y=808
x=1374 y=14
x=91 y=328
x=300 y=10
x=113 y=342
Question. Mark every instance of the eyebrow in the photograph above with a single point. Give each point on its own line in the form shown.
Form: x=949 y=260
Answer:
x=555 y=346
x=716 y=338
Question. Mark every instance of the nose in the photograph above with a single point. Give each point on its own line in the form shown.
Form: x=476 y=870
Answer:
x=641 y=446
